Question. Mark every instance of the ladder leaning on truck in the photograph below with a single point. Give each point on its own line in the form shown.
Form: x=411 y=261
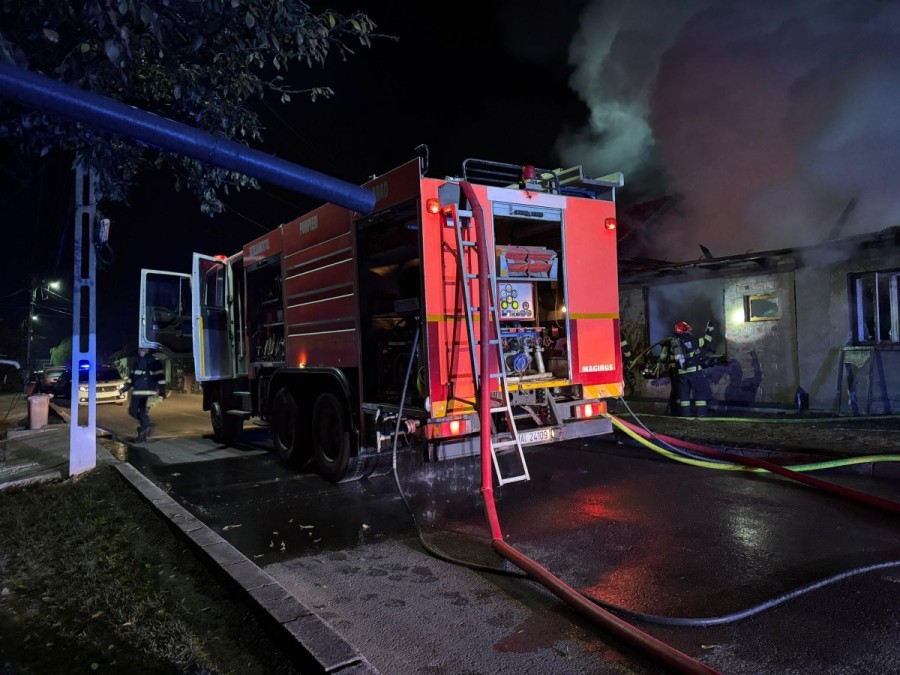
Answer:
x=340 y=331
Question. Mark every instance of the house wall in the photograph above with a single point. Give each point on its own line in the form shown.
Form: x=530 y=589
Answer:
x=760 y=365
x=824 y=319
x=767 y=361
x=762 y=362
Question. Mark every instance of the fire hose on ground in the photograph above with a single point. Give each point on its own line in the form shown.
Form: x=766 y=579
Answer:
x=593 y=608
x=608 y=614
x=738 y=463
x=659 y=651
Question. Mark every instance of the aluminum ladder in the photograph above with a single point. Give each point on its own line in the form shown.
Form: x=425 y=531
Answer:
x=506 y=442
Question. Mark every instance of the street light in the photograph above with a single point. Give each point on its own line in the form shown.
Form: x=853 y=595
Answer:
x=44 y=286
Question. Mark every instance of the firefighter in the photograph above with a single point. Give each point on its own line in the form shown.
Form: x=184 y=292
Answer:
x=627 y=364
x=685 y=360
x=626 y=352
x=146 y=379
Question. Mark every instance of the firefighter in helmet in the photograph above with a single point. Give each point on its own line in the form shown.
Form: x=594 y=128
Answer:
x=146 y=380
x=685 y=359
x=627 y=365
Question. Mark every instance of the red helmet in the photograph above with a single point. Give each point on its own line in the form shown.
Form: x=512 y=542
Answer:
x=682 y=327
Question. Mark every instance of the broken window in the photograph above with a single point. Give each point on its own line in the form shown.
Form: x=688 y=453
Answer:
x=875 y=307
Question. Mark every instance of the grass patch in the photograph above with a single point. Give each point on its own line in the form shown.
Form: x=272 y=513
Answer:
x=92 y=579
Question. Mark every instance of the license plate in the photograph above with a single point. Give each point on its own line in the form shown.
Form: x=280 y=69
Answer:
x=534 y=436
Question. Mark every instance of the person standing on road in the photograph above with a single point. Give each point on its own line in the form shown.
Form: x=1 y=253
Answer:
x=685 y=359
x=146 y=379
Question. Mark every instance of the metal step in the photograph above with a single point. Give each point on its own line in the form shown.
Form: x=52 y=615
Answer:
x=504 y=444
x=239 y=413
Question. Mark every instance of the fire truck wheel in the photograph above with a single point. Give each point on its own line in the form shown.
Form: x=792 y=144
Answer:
x=285 y=421
x=226 y=428
x=331 y=440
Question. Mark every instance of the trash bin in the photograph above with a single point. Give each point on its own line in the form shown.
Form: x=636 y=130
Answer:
x=38 y=410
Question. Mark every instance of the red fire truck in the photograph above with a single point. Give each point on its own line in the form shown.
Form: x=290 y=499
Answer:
x=349 y=335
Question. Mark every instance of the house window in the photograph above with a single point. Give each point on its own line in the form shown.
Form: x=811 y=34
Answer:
x=762 y=307
x=875 y=307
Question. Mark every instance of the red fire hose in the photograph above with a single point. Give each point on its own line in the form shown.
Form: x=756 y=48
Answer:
x=659 y=651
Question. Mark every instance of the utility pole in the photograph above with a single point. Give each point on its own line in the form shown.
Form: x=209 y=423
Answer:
x=83 y=438
x=29 y=330
x=44 y=287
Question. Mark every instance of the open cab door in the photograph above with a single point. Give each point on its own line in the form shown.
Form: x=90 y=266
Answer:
x=165 y=313
x=195 y=315
x=217 y=317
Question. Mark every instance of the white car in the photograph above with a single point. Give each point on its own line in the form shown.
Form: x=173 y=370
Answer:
x=109 y=381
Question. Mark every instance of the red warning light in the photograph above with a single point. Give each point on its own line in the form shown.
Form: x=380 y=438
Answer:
x=589 y=409
x=452 y=428
x=610 y=223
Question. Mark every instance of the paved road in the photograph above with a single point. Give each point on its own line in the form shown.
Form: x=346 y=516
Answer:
x=179 y=416
x=641 y=532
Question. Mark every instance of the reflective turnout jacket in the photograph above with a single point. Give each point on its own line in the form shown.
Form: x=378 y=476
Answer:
x=146 y=378
x=683 y=354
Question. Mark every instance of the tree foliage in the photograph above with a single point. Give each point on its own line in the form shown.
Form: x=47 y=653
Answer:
x=61 y=354
x=201 y=62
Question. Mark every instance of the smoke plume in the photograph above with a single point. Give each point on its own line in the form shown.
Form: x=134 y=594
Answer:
x=769 y=125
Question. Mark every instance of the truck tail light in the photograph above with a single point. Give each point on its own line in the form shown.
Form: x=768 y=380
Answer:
x=450 y=428
x=610 y=223
x=433 y=205
x=583 y=410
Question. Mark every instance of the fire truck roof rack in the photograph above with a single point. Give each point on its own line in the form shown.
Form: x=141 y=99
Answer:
x=486 y=172
x=571 y=181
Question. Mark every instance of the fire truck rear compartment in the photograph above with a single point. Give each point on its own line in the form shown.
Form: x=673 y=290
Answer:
x=531 y=299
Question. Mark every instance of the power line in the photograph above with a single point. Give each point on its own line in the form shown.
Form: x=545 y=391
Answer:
x=248 y=219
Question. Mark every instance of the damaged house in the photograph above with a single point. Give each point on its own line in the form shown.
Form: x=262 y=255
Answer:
x=813 y=328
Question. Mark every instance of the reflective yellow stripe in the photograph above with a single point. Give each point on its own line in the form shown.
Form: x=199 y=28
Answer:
x=439 y=408
x=591 y=315
x=202 y=355
x=612 y=390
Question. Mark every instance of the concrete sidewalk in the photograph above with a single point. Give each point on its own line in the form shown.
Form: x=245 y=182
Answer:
x=30 y=456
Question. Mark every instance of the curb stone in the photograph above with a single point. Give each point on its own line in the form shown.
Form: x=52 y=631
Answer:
x=312 y=644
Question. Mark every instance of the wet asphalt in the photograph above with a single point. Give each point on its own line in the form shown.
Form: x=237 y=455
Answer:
x=397 y=564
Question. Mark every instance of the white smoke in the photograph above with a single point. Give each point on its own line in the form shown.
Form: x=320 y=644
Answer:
x=767 y=119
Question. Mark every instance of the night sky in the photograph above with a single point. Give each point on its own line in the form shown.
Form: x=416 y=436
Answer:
x=755 y=124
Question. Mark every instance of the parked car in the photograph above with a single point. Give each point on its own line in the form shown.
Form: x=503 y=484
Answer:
x=48 y=380
x=109 y=381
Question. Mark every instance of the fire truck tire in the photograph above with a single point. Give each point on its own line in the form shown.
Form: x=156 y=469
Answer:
x=331 y=439
x=226 y=428
x=285 y=423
